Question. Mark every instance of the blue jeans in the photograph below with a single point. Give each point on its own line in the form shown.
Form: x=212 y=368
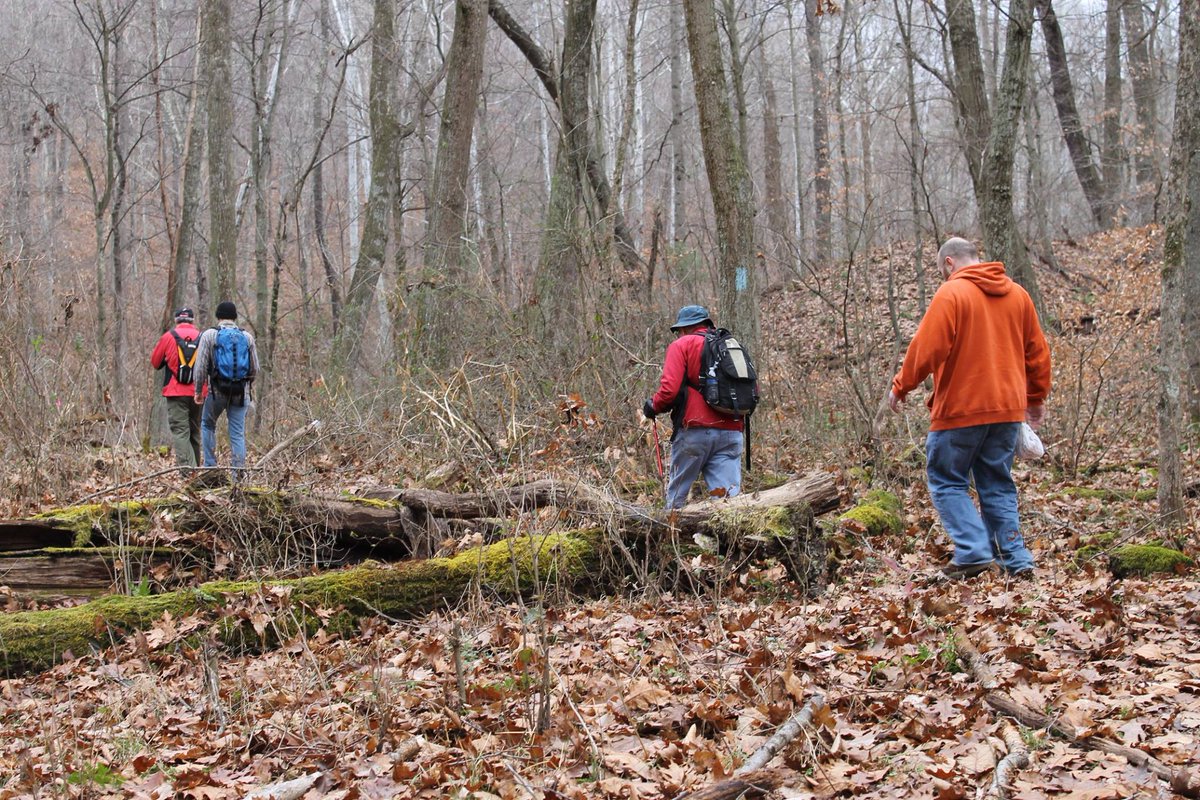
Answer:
x=715 y=452
x=985 y=453
x=215 y=405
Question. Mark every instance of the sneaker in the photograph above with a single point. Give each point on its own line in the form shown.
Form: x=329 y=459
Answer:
x=959 y=572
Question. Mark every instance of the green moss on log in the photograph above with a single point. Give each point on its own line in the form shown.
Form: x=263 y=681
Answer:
x=1111 y=495
x=878 y=513
x=35 y=640
x=1146 y=559
x=106 y=519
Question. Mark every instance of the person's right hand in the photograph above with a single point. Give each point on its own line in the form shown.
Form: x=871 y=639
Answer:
x=894 y=402
x=1034 y=415
x=198 y=398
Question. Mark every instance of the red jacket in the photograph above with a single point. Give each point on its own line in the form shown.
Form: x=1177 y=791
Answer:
x=683 y=358
x=167 y=352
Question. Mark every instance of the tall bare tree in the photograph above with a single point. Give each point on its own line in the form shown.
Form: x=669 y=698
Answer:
x=728 y=178
x=1181 y=261
x=447 y=228
x=989 y=139
x=822 y=177
x=1078 y=144
x=218 y=81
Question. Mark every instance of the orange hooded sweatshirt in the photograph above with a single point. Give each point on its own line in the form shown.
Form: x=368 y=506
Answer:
x=981 y=340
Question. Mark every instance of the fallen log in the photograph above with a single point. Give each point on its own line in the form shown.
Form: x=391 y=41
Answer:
x=405 y=523
x=36 y=640
x=87 y=570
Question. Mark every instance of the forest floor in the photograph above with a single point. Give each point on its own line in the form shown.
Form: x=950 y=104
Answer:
x=657 y=693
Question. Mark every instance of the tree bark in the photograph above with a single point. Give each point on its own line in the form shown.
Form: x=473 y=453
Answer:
x=1068 y=116
x=447 y=229
x=989 y=138
x=1111 y=157
x=1180 y=265
x=728 y=178
x=778 y=218
x=385 y=135
x=222 y=235
x=822 y=178
x=190 y=184
x=1145 y=104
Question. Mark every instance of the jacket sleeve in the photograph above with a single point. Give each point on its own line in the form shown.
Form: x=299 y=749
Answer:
x=158 y=358
x=254 y=367
x=1037 y=360
x=930 y=347
x=203 y=356
x=671 y=383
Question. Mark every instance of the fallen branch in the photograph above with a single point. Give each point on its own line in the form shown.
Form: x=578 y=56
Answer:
x=1004 y=704
x=783 y=737
x=751 y=779
x=1017 y=759
x=286 y=790
x=750 y=784
x=315 y=425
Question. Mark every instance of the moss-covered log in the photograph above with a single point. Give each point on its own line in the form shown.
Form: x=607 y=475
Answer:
x=35 y=640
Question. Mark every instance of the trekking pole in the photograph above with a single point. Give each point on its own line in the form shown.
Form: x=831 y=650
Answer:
x=658 y=451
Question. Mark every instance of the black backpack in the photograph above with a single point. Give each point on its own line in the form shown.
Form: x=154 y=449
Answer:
x=728 y=382
x=186 y=349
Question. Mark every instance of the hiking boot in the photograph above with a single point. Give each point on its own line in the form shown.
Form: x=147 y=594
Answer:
x=1022 y=575
x=960 y=572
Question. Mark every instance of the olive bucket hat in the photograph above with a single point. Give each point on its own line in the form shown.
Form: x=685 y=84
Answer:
x=691 y=315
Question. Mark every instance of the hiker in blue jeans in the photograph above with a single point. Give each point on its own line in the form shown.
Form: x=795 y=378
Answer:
x=227 y=361
x=704 y=440
x=981 y=341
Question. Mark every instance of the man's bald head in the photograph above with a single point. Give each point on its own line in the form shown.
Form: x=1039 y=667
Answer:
x=956 y=253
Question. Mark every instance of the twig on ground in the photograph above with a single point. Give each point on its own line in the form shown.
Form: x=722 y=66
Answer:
x=784 y=736
x=286 y=790
x=315 y=425
x=1017 y=759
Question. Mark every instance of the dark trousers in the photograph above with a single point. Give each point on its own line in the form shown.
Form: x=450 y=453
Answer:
x=183 y=415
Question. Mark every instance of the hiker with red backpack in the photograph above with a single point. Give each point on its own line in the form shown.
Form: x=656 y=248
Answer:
x=226 y=362
x=709 y=385
x=175 y=353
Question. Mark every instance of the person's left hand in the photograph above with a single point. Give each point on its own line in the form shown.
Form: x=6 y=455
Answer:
x=894 y=402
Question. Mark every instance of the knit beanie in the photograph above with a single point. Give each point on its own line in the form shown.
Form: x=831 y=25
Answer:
x=226 y=310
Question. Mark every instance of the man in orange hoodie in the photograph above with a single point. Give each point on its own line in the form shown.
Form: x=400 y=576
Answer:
x=981 y=341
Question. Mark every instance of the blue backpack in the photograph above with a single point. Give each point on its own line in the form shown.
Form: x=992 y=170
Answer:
x=230 y=361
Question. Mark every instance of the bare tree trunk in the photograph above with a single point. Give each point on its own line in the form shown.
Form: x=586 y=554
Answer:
x=822 y=183
x=1180 y=264
x=1145 y=103
x=729 y=19
x=989 y=140
x=447 y=228
x=332 y=280
x=1111 y=157
x=777 y=206
x=1068 y=116
x=222 y=234
x=728 y=179
x=797 y=138
x=117 y=210
x=190 y=184
x=916 y=151
x=678 y=224
x=372 y=251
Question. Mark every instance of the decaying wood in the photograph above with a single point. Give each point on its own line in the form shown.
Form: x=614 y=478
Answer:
x=286 y=790
x=787 y=732
x=36 y=640
x=750 y=784
x=412 y=523
x=751 y=779
x=32 y=534
x=83 y=570
x=1017 y=759
x=1004 y=704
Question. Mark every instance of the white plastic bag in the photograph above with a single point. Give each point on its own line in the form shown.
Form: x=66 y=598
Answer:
x=1029 y=444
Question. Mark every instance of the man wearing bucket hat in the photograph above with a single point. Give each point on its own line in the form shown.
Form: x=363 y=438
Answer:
x=183 y=415
x=703 y=441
